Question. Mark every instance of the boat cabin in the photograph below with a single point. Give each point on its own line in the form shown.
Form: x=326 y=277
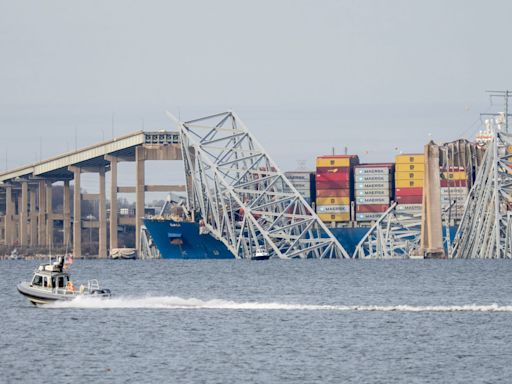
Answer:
x=50 y=280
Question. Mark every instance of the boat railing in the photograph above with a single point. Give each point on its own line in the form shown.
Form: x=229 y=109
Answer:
x=92 y=285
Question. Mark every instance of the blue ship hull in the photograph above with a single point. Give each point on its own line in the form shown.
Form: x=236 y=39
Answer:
x=181 y=240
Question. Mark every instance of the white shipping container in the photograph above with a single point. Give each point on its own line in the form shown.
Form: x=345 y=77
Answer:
x=372 y=192
x=370 y=216
x=333 y=208
x=454 y=191
x=298 y=176
x=301 y=185
x=451 y=199
x=382 y=185
x=371 y=171
x=409 y=207
x=373 y=200
x=368 y=178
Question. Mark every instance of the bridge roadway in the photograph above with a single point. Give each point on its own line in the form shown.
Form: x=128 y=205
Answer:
x=26 y=213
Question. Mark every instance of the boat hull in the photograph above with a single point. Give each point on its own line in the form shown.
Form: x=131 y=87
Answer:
x=40 y=297
x=182 y=240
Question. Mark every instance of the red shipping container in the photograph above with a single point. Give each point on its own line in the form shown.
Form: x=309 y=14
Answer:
x=333 y=192
x=368 y=208
x=453 y=183
x=409 y=199
x=339 y=176
x=333 y=185
x=408 y=191
x=332 y=170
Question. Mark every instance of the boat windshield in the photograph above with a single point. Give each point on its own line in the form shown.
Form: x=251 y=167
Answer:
x=37 y=280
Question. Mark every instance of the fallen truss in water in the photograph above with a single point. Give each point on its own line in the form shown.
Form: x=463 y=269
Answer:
x=395 y=235
x=485 y=228
x=243 y=198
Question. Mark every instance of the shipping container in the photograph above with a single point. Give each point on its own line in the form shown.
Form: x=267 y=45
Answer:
x=333 y=208
x=333 y=185
x=336 y=217
x=382 y=185
x=409 y=207
x=299 y=176
x=410 y=167
x=329 y=170
x=454 y=183
x=372 y=171
x=410 y=158
x=409 y=183
x=447 y=200
x=332 y=200
x=341 y=192
x=372 y=192
x=365 y=208
x=454 y=191
x=301 y=185
x=409 y=199
x=337 y=161
x=408 y=191
x=454 y=176
x=409 y=175
x=365 y=178
x=339 y=176
x=373 y=200
x=368 y=216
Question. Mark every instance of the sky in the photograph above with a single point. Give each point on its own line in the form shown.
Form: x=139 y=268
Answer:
x=374 y=78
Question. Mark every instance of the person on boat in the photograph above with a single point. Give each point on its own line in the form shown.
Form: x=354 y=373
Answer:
x=70 y=287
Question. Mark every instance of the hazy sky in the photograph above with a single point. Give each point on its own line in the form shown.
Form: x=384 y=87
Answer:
x=377 y=77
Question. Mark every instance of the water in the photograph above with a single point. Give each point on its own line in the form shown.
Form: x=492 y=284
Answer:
x=265 y=322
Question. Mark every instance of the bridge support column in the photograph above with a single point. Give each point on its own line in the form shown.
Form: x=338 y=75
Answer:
x=102 y=209
x=9 y=211
x=77 y=213
x=113 y=201
x=23 y=215
x=431 y=225
x=33 y=218
x=42 y=214
x=139 y=193
x=49 y=214
x=66 y=210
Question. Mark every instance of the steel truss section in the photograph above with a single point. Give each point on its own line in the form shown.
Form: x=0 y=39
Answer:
x=485 y=228
x=395 y=235
x=243 y=198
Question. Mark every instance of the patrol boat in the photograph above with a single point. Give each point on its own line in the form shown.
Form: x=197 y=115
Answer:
x=51 y=282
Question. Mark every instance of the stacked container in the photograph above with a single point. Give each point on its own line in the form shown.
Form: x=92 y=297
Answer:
x=373 y=186
x=304 y=183
x=454 y=190
x=334 y=182
x=409 y=174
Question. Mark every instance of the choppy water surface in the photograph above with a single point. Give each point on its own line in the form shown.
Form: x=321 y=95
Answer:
x=265 y=322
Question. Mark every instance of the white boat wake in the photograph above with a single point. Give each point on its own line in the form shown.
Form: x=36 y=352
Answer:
x=174 y=302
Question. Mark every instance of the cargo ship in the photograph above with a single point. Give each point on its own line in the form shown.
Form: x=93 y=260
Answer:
x=348 y=196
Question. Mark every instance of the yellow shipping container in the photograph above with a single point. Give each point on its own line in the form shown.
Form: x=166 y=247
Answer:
x=413 y=158
x=416 y=167
x=457 y=175
x=409 y=175
x=409 y=183
x=333 y=162
x=328 y=217
x=332 y=200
